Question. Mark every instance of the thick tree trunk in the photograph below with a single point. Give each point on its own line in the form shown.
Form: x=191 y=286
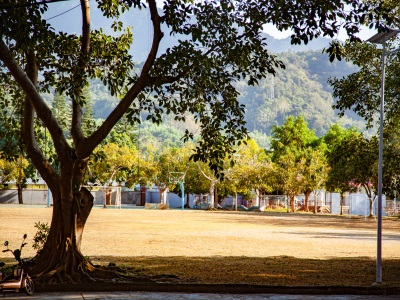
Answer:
x=212 y=193
x=187 y=205
x=341 y=203
x=306 y=201
x=162 y=192
x=292 y=203
x=61 y=259
x=19 y=189
x=371 y=207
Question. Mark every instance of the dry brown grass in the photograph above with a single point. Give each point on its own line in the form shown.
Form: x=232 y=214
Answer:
x=228 y=247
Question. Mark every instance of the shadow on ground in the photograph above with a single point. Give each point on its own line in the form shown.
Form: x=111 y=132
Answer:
x=270 y=271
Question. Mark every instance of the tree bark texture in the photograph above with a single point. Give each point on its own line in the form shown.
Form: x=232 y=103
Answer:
x=19 y=189
x=371 y=207
x=306 y=201
x=292 y=203
x=341 y=203
x=61 y=259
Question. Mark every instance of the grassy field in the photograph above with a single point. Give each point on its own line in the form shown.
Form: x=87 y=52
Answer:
x=227 y=247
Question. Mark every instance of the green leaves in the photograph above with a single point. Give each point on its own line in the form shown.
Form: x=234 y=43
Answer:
x=111 y=61
x=360 y=91
x=114 y=8
x=334 y=51
x=294 y=136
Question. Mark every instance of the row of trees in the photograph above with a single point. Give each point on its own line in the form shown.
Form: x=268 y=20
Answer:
x=297 y=162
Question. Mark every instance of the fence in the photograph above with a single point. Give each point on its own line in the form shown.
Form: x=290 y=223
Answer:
x=43 y=197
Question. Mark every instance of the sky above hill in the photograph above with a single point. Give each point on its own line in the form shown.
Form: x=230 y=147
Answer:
x=63 y=16
x=365 y=33
x=64 y=12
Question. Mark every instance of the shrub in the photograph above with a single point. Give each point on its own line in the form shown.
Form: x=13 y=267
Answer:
x=41 y=236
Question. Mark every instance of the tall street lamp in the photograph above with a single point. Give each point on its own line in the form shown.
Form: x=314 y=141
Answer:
x=381 y=38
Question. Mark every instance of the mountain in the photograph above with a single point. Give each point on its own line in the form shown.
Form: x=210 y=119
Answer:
x=284 y=45
x=300 y=89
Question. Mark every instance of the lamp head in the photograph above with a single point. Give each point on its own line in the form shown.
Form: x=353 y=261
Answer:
x=383 y=36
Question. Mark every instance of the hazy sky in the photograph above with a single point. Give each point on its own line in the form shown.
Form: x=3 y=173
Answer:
x=365 y=33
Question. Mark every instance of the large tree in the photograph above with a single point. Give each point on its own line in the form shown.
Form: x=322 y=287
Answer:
x=16 y=170
x=220 y=42
x=291 y=144
x=290 y=171
x=354 y=166
x=340 y=177
x=253 y=171
x=314 y=174
x=360 y=91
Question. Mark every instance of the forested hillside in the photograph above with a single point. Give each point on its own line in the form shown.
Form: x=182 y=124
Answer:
x=300 y=89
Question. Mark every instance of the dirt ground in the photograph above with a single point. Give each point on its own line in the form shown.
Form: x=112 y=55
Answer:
x=193 y=246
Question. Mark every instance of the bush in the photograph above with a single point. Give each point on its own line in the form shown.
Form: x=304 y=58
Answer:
x=41 y=236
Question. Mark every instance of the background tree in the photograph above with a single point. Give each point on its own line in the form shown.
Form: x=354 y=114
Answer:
x=221 y=44
x=167 y=162
x=314 y=174
x=15 y=170
x=252 y=170
x=340 y=177
x=317 y=173
x=365 y=167
x=88 y=120
x=15 y=165
x=293 y=136
x=354 y=164
x=295 y=142
x=61 y=111
x=212 y=179
x=233 y=182
x=360 y=91
x=289 y=176
x=194 y=183
x=123 y=134
x=110 y=163
x=391 y=159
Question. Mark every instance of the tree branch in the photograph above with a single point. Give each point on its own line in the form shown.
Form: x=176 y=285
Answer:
x=28 y=134
x=84 y=149
x=76 y=126
x=42 y=110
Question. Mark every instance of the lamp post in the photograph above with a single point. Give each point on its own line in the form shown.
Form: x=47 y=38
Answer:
x=381 y=38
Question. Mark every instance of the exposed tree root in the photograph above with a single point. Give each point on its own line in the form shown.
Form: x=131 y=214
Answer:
x=85 y=273
x=60 y=260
